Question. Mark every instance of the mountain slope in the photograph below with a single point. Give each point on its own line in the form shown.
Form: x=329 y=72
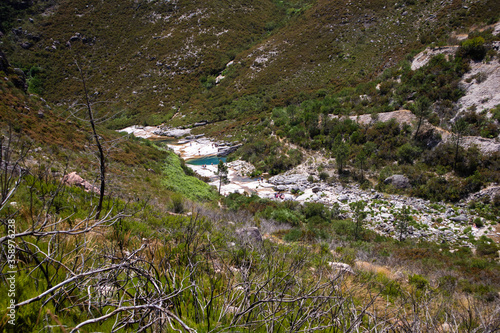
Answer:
x=144 y=53
x=154 y=58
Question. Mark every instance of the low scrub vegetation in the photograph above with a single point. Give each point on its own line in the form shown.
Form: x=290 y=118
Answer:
x=200 y=273
x=176 y=179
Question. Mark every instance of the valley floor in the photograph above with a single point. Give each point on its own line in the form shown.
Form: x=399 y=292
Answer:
x=431 y=221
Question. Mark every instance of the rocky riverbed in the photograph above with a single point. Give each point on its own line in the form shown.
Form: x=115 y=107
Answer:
x=439 y=222
x=431 y=221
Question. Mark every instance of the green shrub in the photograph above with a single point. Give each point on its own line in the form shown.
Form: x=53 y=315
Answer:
x=177 y=203
x=478 y=222
x=388 y=287
x=344 y=228
x=285 y=215
x=478 y=263
x=486 y=246
x=407 y=153
x=311 y=209
x=418 y=281
x=348 y=254
x=447 y=283
x=176 y=180
x=323 y=176
x=293 y=235
x=472 y=48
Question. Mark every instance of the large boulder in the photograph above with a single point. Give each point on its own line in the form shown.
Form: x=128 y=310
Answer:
x=249 y=234
x=343 y=198
x=459 y=218
x=341 y=267
x=398 y=181
x=74 y=179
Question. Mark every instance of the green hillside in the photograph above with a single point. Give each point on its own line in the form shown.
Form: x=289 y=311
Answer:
x=153 y=58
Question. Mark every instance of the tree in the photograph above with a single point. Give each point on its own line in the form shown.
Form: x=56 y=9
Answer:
x=361 y=161
x=359 y=215
x=459 y=129
x=407 y=153
x=421 y=109
x=341 y=153
x=403 y=219
x=98 y=143
x=222 y=173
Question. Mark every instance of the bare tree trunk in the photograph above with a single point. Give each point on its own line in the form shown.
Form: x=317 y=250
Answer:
x=457 y=146
x=98 y=143
x=418 y=126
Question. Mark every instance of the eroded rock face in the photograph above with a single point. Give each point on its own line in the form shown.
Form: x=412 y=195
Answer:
x=486 y=146
x=398 y=181
x=425 y=56
x=488 y=193
x=73 y=179
x=480 y=85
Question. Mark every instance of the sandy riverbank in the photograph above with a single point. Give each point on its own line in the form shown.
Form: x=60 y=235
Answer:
x=238 y=170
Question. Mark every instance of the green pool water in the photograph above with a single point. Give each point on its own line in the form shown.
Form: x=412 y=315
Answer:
x=208 y=160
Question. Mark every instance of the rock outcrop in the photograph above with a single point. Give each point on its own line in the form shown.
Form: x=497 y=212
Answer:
x=486 y=146
x=426 y=55
x=172 y=132
x=481 y=87
x=489 y=193
x=224 y=151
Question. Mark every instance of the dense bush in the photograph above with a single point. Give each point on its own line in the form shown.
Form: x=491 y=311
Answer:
x=418 y=281
x=269 y=156
x=285 y=215
x=472 y=48
x=407 y=153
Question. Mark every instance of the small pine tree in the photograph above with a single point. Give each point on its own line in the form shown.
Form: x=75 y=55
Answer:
x=359 y=214
x=422 y=110
x=222 y=172
x=402 y=222
x=341 y=153
x=459 y=129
